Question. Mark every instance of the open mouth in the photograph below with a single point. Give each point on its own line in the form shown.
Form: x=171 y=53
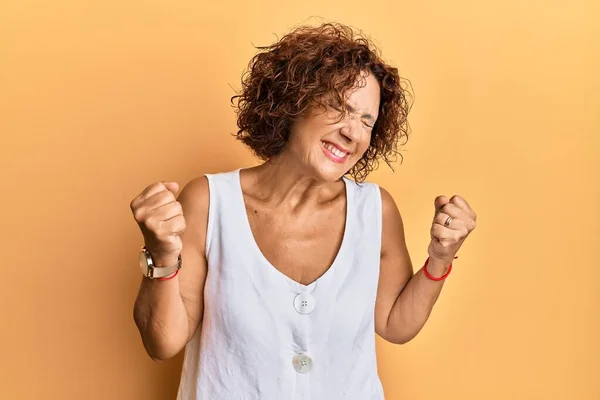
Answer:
x=334 y=153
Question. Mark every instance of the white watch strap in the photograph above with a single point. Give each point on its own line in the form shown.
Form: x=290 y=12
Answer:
x=161 y=272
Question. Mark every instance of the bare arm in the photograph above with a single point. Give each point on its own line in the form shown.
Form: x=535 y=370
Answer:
x=404 y=299
x=167 y=313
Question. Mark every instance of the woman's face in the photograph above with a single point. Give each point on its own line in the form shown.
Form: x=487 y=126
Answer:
x=328 y=147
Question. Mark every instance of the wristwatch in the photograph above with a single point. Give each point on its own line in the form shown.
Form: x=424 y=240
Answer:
x=149 y=270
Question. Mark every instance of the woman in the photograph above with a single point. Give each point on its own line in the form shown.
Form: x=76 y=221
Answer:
x=276 y=278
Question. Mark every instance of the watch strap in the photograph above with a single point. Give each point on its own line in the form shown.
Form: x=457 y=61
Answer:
x=160 y=272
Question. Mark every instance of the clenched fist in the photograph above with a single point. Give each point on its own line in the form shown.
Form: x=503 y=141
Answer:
x=160 y=217
x=452 y=223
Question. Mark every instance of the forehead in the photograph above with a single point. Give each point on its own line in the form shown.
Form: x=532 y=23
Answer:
x=366 y=96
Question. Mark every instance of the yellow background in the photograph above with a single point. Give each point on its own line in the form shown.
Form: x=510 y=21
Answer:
x=100 y=98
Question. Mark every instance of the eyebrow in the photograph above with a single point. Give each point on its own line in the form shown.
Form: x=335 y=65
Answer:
x=367 y=115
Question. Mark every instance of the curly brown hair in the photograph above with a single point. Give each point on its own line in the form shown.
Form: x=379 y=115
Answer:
x=288 y=78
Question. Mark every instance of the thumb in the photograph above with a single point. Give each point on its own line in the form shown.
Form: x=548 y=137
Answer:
x=172 y=187
x=439 y=202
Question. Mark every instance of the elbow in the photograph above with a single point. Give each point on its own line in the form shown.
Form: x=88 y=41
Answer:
x=397 y=337
x=158 y=344
x=159 y=356
x=160 y=349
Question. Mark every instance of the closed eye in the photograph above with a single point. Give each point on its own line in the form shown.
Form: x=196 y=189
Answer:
x=368 y=123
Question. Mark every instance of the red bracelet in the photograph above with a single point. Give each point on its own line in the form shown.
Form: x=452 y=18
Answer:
x=441 y=278
x=166 y=278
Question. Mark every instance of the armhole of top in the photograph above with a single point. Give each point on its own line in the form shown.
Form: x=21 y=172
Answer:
x=378 y=211
x=210 y=222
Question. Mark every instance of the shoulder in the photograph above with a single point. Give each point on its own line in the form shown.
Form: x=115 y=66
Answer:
x=388 y=204
x=392 y=224
x=194 y=199
x=195 y=191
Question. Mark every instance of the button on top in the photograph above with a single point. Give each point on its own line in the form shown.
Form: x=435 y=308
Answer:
x=304 y=303
x=302 y=363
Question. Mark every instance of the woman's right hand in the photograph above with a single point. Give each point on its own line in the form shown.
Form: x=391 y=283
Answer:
x=160 y=218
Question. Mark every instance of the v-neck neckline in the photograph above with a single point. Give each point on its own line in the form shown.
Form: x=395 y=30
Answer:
x=293 y=284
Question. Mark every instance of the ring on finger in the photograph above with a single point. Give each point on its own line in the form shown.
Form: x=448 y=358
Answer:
x=448 y=221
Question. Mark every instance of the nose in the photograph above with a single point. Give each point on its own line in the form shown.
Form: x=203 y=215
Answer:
x=350 y=130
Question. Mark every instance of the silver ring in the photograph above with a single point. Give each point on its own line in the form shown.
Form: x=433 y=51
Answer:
x=448 y=220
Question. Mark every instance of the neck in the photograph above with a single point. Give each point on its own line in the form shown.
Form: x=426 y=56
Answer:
x=285 y=181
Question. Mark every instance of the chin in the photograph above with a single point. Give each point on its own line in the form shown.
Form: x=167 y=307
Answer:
x=329 y=172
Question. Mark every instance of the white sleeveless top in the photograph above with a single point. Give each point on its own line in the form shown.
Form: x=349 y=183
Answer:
x=265 y=336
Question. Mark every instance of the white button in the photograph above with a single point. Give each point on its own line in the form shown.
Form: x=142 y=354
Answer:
x=304 y=303
x=302 y=363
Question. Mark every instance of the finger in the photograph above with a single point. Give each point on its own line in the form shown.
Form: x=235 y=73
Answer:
x=439 y=202
x=157 y=187
x=460 y=202
x=176 y=225
x=455 y=224
x=454 y=211
x=173 y=187
x=168 y=211
x=158 y=200
x=149 y=191
x=444 y=235
x=152 y=190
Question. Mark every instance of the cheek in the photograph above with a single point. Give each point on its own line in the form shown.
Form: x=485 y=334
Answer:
x=299 y=142
x=364 y=144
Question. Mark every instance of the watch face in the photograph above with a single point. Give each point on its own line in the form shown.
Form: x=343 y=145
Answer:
x=143 y=262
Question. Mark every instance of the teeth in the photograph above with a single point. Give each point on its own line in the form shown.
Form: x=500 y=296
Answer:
x=337 y=152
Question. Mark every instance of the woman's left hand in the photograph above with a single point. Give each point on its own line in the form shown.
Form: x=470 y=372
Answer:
x=453 y=221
